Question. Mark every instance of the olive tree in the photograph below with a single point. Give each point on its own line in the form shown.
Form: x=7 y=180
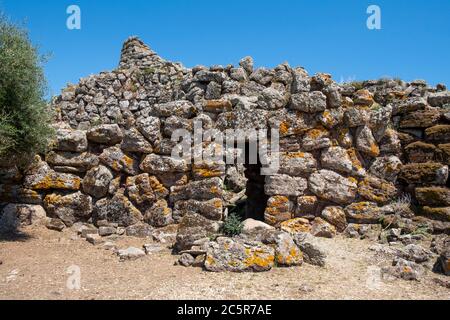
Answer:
x=25 y=115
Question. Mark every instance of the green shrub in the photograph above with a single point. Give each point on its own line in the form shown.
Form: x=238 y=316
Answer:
x=25 y=116
x=232 y=226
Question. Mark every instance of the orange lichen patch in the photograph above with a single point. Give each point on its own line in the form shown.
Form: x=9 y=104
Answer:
x=293 y=155
x=353 y=180
x=157 y=186
x=51 y=181
x=218 y=203
x=296 y=225
x=210 y=260
x=207 y=173
x=327 y=118
x=317 y=132
x=215 y=190
x=352 y=153
x=259 y=259
x=294 y=256
x=277 y=204
x=374 y=150
x=284 y=128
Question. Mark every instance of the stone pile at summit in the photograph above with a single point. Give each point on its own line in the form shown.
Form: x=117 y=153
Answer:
x=348 y=152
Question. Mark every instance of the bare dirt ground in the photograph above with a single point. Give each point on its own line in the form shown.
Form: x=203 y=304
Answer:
x=35 y=267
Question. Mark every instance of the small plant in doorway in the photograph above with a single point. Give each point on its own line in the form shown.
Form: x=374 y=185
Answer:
x=232 y=226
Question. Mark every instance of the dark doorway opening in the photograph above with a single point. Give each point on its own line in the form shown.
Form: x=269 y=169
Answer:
x=253 y=203
x=256 y=198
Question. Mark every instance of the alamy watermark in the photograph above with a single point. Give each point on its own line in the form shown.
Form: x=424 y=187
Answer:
x=374 y=20
x=73 y=22
x=74 y=280
x=233 y=146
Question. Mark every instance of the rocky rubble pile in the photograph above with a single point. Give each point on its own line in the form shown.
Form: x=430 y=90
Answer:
x=350 y=155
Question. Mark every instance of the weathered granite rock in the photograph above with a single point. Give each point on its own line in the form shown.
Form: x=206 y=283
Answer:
x=118 y=161
x=366 y=143
x=438 y=99
x=130 y=254
x=421 y=119
x=438 y=134
x=336 y=217
x=134 y=141
x=194 y=227
x=386 y=168
x=297 y=163
x=306 y=206
x=159 y=215
x=109 y=134
x=323 y=229
x=341 y=160
x=69 y=207
x=70 y=140
x=363 y=213
x=155 y=164
x=278 y=209
x=377 y=190
x=316 y=139
x=310 y=102
x=331 y=186
x=82 y=161
x=139 y=230
x=433 y=196
x=96 y=182
x=314 y=251
x=295 y=226
x=238 y=256
x=211 y=209
x=197 y=190
x=424 y=173
x=421 y=152
x=285 y=185
x=119 y=209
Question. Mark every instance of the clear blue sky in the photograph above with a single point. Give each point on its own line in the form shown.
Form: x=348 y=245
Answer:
x=322 y=35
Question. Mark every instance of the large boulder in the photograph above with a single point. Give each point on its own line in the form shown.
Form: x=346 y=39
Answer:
x=433 y=196
x=70 y=140
x=159 y=215
x=96 y=182
x=310 y=102
x=69 y=208
x=14 y=215
x=424 y=173
x=211 y=209
x=109 y=134
x=297 y=163
x=118 y=161
x=119 y=209
x=198 y=190
x=192 y=228
x=377 y=190
x=363 y=213
x=155 y=164
x=341 y=160
x=386 y=168
x=134 y=141
x=81 y=161
x=313 y=249
x=238 y=256
x=39 y=176
x=336 y=217
x=144 y=189
x=279 y=209
x=331 y=186
x=285 y=185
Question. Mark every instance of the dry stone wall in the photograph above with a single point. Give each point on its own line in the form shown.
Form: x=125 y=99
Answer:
x=348 y=152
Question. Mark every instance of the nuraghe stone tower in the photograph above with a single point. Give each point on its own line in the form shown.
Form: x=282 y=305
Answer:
x=348 y=152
